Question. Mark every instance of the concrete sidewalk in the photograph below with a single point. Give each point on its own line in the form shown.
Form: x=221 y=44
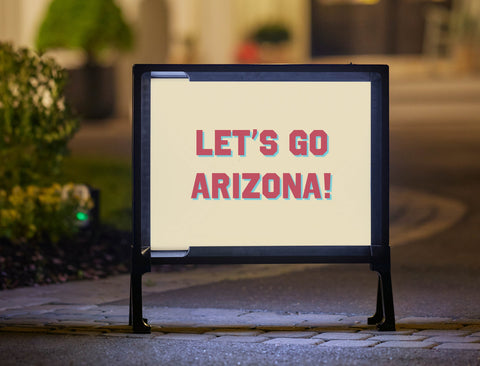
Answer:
x=82 y=309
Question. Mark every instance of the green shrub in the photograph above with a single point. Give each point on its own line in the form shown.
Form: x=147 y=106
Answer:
x=41 y=215
x=35 y=127
x=35 y=123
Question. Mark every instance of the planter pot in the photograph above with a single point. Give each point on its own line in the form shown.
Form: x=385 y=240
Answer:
x=275 y=53
x=90 y=90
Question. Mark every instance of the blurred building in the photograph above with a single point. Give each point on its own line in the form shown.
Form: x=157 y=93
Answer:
x=370 y=26
x=222 y=31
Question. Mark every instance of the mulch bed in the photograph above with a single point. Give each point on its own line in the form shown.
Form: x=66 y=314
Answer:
x=86 y=256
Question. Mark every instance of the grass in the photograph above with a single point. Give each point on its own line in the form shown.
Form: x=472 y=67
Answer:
x=113 y=178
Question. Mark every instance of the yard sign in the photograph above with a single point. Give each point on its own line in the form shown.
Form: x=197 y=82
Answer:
x=261 y=163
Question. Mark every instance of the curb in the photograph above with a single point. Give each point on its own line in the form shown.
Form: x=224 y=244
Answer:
x=238 y=326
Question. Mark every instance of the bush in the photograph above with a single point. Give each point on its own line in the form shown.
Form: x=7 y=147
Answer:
x=35 y=122
x=35 y=127
x=42 y=215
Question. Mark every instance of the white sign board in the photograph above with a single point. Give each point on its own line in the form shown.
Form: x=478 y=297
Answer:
x=261 y=163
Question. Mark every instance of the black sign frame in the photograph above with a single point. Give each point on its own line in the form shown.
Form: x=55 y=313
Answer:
x=377 y=254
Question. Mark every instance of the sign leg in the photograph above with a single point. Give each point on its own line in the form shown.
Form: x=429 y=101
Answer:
x=139 y=267
x=136 y=319
x=387 y=297
x=384 y=316
x=378 y=316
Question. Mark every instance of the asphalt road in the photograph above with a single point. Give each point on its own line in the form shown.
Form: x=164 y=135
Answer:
x=41 y=350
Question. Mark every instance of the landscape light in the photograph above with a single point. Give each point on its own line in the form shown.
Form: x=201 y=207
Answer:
x=82 y=216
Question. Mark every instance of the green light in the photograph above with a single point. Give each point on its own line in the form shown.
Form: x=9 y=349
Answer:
x=82 y=216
